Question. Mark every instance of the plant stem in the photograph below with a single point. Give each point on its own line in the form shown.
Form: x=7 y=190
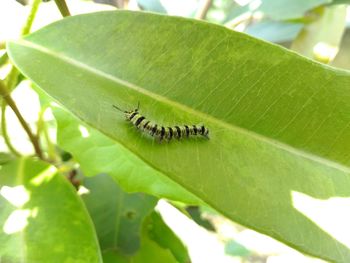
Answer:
x=42 y=128
x=30 y=18
x=4 y=130
x=62 y=6
x=4 y=92
x=12 y=77
x=203 y=9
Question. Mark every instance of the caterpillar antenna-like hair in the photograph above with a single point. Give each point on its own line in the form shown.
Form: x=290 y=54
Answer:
x=138 y=105
x=118 y=108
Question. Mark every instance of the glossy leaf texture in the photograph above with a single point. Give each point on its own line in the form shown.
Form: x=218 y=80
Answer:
x=279 y=123
x=42 y=217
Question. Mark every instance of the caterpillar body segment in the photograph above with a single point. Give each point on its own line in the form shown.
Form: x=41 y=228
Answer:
x=160 y=132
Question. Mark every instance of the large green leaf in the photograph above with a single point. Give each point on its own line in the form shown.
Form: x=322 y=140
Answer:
x=117 y=215
x=279 y=123
x=42 y=218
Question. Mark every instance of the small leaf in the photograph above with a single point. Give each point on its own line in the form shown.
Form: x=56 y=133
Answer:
x=43 y=219
x=152 y=5
x=274 y=31
x=234 y=248
x=117 y=215
x=150 y=251
x=286 y=9
x=321 y=38
x=159 y=232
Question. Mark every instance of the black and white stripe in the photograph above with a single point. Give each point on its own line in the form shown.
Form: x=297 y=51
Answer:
x=164 y=133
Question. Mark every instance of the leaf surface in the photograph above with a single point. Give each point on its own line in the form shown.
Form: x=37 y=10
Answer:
x=279 y=123
x=117 y=215
x=94 y=152
x=42 y=218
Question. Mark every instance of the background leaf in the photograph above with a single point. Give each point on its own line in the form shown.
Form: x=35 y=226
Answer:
x=285 y=9
x=274 y=31
x=32 y=194
x=278 y=122
x=159 y=232
x=117 y=215
x=321 y=38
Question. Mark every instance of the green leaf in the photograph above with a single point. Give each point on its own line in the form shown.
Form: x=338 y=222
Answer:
x=6 y=157
x=195 y=213
x=279 y=123
x=234 y=248
x=43 y=219
x=96 y=153
x=117 y=215
x=150 y=251
x=112 y=256
x=159 y=232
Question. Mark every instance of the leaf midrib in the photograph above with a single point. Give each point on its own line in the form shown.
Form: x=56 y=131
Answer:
x=257 y=136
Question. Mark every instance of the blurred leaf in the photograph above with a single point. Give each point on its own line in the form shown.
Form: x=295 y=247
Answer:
x=274 y=31
x=342 y=58
x=196 y=215
x=117 y=215
x=43 y=219
x=159 y=232
x=220 y=10
x=238 y=11
x=234 y=248
x=320 y=39
x=340 y=2
x=185 y=8
x=3 y=57
x=96 y=153
x=152 y=5
x=6 y=157
x=287 y=9
x=279 y=123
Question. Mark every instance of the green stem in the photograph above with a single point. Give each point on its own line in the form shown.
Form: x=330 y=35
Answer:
x=4 y=92
x=12 y=77
x=62 y=6
x=42 y=128
x=30 y=18
x=4 y=130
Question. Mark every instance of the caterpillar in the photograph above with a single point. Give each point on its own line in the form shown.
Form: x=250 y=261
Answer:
x=160 y=132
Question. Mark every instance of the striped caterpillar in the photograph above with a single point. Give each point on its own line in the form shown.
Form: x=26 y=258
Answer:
x=161 y=132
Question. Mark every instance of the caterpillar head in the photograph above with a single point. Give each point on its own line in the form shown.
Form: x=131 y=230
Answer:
x=129 y=114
